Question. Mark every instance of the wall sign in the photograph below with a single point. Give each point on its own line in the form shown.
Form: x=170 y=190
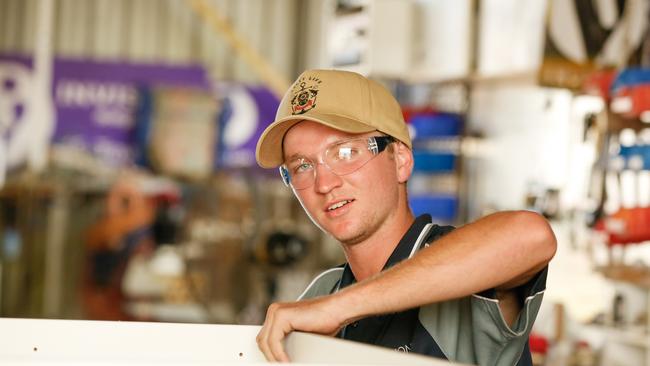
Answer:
x=94 y=101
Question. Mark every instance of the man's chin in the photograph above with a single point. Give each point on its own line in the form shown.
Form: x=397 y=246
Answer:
x=349 y=238
x=344 y=232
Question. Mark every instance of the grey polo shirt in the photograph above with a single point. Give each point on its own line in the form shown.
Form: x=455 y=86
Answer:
x=467 y=330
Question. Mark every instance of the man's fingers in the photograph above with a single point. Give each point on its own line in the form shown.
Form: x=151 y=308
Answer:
x=263 y=344
x=263 y=335
x=277 y=330
x=270 y=337
x=275 y=344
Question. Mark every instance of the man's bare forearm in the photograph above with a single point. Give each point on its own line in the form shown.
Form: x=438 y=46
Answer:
x=500 y=251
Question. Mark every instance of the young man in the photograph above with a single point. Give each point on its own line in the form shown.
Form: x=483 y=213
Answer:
x=469 y=295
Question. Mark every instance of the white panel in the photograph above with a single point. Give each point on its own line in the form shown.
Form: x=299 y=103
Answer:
x=377 y=39
x=351 y=34
x=511 y=36
x=391 y=37
x=100 y=342
x=527 y=133
x=443 y=49
x=39 y=342
x=583 y=153
x=313 y=349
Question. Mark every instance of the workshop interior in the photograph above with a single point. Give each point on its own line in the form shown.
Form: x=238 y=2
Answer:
x=130 y=191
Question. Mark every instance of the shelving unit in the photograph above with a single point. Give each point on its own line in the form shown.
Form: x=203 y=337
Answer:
x=624 y=221
x=637 y=337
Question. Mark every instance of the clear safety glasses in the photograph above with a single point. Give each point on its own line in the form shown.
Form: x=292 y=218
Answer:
x=341 y=158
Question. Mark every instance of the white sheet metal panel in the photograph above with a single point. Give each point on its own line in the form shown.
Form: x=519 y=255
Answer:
x=526 y=132
x=510 y=36
x=47 y=342
x=390 y=48
x=444 y=39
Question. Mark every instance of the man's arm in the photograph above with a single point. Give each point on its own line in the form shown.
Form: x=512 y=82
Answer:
x=501 y=251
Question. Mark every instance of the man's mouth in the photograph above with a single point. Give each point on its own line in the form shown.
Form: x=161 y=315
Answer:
x=338 y=205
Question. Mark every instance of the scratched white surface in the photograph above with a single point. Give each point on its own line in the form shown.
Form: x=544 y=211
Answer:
x=80 y=342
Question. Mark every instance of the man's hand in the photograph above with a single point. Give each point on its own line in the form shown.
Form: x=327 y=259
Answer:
x=315 y=316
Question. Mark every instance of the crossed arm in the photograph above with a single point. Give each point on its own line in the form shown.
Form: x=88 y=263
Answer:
x=501 y=251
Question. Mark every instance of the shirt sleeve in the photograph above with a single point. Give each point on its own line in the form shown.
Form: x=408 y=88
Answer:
x=495 y=342
x=324 y=284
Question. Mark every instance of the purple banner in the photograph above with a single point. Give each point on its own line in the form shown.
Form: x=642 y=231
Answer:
x=95 y=102
x=248 y=111
x=95 y=105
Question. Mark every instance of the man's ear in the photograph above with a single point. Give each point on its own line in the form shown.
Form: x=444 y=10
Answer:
x=403 y=161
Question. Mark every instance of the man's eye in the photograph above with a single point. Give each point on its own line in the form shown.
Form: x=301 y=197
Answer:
x=302 y=167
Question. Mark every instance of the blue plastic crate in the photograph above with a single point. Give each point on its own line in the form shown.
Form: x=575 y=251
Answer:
x=436 y=125
x=441 y=207
x=630 y=77
x=434 y=162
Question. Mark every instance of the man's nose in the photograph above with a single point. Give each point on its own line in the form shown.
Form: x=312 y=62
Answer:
x=325 y=179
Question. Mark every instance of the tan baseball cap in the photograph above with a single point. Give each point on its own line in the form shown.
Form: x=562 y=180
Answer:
x=342 y=100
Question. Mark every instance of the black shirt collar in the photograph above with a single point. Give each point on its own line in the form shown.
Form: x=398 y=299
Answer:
x=402 y=250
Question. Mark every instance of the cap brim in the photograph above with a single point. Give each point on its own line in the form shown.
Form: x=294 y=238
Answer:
x=269 y=147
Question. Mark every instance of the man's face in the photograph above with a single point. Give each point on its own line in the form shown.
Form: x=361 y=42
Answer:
x=350 y=207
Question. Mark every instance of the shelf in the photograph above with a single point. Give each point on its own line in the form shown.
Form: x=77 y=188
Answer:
x=632 y=275
x=427 y=77
x=618 y=122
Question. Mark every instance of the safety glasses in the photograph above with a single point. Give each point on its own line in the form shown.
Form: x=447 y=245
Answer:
x=341 y=158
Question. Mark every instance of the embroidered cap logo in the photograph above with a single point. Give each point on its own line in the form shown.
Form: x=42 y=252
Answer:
x=304 y=95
